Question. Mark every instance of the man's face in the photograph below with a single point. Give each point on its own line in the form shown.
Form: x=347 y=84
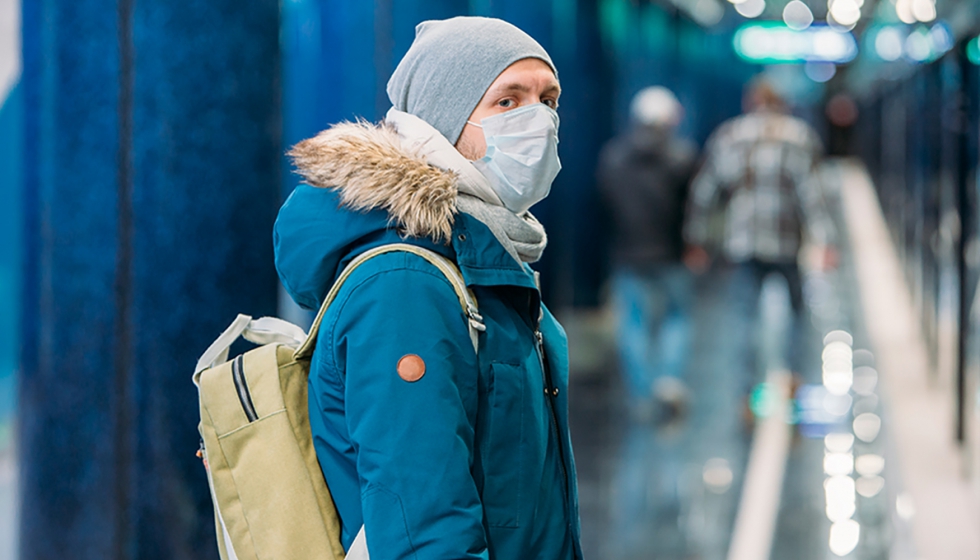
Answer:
x=523 y=83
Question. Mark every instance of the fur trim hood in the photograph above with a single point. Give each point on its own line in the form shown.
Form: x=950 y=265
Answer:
x=371 y=168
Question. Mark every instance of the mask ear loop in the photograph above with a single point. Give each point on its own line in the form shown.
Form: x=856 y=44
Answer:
x=474 y=124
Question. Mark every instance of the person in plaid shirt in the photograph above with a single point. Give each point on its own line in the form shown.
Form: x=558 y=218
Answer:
x=758 y=172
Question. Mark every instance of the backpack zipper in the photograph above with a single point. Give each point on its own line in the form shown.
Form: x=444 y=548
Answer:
x=238 y=375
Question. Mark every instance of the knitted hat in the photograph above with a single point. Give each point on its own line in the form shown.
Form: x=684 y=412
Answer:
x=451 y=64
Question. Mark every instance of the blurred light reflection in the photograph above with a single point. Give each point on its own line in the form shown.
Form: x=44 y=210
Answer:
x=918 y=47
x=889 y=44
x=837 y=349
x=904 y=506
x=845 y=12
x=717 y=475
x=866 y=426
x=839 y=336
x=924 y=10
x=839 y=443
x=838 y=405
x=844 y=537
x=869 y=486
x=903 y=8
x=751 y=8
x=865 y=380
x=869 y=464
x=797 y=15
x=973 y=50
x=838 y=464
x=841 y=498
x=838 y=376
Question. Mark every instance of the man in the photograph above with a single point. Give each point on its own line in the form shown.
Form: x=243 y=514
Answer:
x=438 y=450
x=643 y=178
x=759 y=168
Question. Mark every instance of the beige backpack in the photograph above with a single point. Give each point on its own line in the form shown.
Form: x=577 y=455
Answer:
x=270 y=498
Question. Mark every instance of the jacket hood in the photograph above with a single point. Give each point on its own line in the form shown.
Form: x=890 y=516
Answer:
x=371 y=168
x=364 y=187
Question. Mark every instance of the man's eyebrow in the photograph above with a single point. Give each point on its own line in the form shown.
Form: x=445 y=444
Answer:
x=517 y=86
x=513 y=86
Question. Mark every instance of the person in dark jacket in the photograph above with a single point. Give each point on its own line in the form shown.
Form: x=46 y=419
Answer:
x=643 y=177
x=439 y=450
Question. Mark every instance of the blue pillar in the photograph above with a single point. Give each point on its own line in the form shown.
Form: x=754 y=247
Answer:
x=151 y=175
x=360 y=43
x=338 y=56
x=10 y=229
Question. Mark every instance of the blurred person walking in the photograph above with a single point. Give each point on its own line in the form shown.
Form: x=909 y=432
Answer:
x=438 y=449
x=759 y=172
x=643 y=177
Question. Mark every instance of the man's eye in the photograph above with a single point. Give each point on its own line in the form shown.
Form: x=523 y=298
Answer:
x=506 y=103
x=553 y=103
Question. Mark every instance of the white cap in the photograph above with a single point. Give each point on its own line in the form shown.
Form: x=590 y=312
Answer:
x=656 y=106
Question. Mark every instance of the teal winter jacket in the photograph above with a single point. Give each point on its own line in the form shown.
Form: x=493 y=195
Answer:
x=473 y=459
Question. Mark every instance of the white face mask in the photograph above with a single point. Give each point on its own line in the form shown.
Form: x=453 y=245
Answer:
x=522 y=155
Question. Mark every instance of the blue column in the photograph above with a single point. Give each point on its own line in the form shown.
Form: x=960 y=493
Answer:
x=152 y=169
x=10 y=229
x=360 y=44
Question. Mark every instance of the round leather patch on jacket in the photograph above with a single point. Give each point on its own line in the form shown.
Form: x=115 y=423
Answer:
x=411 y=368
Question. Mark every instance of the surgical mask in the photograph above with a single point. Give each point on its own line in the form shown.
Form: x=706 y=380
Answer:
x=522 y=155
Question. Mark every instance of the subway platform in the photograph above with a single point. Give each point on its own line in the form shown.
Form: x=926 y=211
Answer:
x=861 y=464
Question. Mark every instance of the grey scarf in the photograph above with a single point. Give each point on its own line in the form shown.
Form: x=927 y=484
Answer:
x=522 y=236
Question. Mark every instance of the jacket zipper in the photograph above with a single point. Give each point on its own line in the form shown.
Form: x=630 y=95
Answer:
x=551 y=392
x=241 y=385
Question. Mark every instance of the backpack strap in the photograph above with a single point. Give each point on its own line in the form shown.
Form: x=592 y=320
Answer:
x=467 y=300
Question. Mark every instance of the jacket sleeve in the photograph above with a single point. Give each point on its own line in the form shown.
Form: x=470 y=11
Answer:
x=414 y=440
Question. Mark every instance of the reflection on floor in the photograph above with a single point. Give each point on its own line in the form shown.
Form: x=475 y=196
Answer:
x=672 y=492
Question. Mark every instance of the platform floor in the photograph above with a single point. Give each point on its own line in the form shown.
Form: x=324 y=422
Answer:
x=672 y=491
x=677 y=491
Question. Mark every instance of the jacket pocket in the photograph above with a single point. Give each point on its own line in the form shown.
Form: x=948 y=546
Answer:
x=503 y=489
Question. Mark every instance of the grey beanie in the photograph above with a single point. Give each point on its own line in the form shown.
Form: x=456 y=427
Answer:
x=451 y=64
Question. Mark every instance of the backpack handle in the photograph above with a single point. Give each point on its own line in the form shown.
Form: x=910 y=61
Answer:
x=448 y=268
x=259 y=331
